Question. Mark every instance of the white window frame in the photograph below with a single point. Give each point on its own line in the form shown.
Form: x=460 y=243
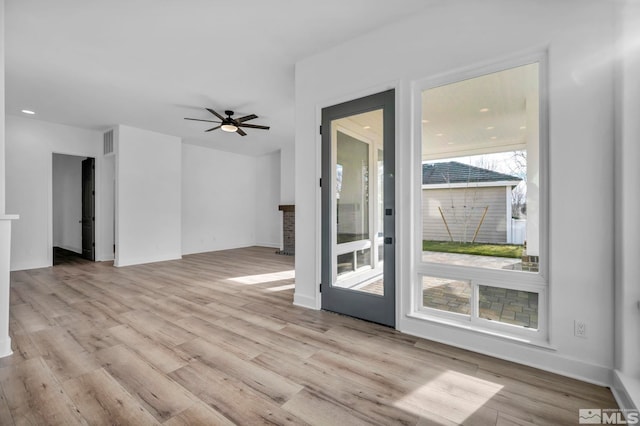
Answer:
x=515 y=280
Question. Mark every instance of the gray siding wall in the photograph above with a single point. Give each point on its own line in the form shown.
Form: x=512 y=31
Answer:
x=463 y=209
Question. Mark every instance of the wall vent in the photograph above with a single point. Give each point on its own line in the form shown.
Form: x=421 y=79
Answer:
x=108 y=142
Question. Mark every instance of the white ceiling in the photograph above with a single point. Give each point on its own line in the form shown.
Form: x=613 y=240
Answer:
x=480 y=115
x=150 y=63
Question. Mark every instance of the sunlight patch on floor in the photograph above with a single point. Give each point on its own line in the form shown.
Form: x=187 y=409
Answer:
x=450 y=395
x=282 y=287
x=264 y=278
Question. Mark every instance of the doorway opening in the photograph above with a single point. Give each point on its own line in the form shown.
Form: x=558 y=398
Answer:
x=73 y=208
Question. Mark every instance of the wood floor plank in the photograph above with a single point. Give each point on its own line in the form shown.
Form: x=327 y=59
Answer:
x=5 y=414
x=268 y=383
x=30 y=319
x=159 y=329
x=199 y=414
x=176 y=308
x=64 y=356
x=34 y=396
x=214 y=338
x=156 y=392
x=408 y=354
x=517 y=396
x=102 y=399
x=91 y=312
x=23 y=349
x=92 y=338
x=371 y=403
x=320 y=409
x=164 y=358
x=68 y=294
x=525 y=374
x=234 y=344
x=231 y=397
x=266 y=337
x=245 y=314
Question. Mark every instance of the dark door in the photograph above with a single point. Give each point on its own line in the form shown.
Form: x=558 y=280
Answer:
x=88 y=209
x=358 y=208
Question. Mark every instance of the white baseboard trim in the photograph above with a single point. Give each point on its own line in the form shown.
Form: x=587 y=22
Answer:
x=142 y=260
x=69 y=248
x=304 y=301
x=5 y=347
x=216 y=248
x=27 y=266
x=532 y=356
x=626 y=391
x=269 y=245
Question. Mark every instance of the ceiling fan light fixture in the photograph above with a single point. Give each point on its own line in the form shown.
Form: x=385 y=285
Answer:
x=229 y=128
x=229 y=124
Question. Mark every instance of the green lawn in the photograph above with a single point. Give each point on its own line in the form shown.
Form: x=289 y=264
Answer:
x=480 y=249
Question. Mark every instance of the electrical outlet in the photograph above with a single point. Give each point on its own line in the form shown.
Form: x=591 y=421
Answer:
x=580 y=329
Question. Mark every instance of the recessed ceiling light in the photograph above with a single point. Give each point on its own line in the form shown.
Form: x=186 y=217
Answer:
x=27 y=111
x=523 y=127
x=366 y=127
x=490 y=128
x=493 y=137
x=425 y=121
x=484 y=109
x=439 y=134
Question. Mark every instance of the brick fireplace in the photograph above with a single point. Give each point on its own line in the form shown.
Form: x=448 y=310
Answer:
x=288 y=229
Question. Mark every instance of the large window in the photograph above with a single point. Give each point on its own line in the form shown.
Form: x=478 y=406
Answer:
x=481 y=199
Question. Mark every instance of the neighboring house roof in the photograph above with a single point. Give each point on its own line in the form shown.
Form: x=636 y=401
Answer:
x=453 y=172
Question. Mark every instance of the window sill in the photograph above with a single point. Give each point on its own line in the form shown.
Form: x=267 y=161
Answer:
x=522 y=340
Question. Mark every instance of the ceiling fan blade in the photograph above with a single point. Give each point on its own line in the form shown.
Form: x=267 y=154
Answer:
x=253 y=126
x=215 y=113
x=213 y=128
x=197 y=119
x=246 y=118
x=240 y=132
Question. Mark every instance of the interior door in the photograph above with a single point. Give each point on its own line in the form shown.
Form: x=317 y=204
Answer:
x=358 y=208
x=88 y=209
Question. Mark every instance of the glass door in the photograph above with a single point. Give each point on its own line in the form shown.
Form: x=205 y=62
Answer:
x=358 y=208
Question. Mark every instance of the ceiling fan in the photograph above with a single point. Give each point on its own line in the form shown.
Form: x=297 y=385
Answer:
x=230 y=124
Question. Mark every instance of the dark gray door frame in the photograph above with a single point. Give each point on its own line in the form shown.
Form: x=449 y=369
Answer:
x=370 y=307
x=88 y=209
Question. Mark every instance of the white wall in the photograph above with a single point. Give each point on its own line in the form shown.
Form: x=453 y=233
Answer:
x=268 y=219
x=627 y=312
x=464 y=34
x=2 y=119
x=67 y=202
x=219 y=205
x=5 y=225
x=30 y=145
x=148 y=196
x=106 y=239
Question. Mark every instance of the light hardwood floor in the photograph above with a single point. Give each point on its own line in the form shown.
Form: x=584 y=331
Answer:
x=214 y=339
